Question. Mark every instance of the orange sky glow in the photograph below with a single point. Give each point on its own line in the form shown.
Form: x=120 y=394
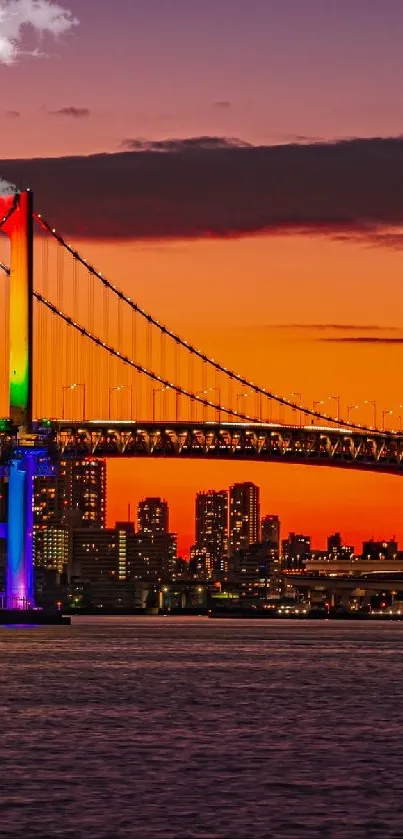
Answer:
x=243 y=299
x=266 y=307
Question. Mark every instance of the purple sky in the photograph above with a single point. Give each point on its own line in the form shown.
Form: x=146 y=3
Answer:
x=152 y=68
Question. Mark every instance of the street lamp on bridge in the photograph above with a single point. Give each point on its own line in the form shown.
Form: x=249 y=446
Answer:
x=118 y=389
x=373 y=403
x=349 y=409
x=337 y=400
x=384 y=414
x=74 y=386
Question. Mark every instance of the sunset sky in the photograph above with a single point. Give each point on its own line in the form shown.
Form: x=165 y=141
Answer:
x=291 y=258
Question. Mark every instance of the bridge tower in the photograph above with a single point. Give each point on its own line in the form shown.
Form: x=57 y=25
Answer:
x=16 y=211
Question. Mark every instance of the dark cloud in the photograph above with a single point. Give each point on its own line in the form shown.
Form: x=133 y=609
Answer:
x=222 y=105
x=187 y=144
x=219 y=187
x=374 y=237
x=13 y=114
x=295 y=139
x=340 y=327
x=71 y=111
x=363 y=339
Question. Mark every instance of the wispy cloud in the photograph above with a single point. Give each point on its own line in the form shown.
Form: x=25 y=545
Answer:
x=363 y=339
x=43 y=16
x=13 y=114
x=338 y=327
x=71 y=111
x=222 y=105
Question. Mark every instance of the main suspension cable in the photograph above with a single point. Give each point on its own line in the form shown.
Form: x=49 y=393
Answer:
x=181 y=342
x=189 y=347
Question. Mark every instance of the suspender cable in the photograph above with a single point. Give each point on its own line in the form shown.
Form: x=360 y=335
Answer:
x=196 y=398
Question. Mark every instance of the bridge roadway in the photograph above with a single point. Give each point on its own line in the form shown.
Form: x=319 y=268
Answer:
x=307 y=445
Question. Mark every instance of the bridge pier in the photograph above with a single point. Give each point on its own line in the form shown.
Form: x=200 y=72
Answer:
x=19 y=571
x=25 y=464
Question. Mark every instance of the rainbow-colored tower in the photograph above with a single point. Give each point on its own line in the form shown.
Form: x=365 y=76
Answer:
x=16 y=220
x=18 y=210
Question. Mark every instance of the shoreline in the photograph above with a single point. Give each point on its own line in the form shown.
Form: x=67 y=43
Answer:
x=243 y=614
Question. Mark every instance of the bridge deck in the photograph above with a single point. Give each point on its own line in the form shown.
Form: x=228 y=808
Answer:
x=309 y=445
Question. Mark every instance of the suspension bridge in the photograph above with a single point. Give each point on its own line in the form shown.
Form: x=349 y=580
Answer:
x=113 y=381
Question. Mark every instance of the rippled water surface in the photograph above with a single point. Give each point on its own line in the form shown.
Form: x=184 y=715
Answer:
x=194 y=728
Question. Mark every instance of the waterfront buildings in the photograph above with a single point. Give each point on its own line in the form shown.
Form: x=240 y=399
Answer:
x=211 y=543
x=74 y=497
x=244 y=516
x=153 y=549
x=271 y=531
x=120 y=567
x=153 y=516
x=379 y=550
x=296 y=550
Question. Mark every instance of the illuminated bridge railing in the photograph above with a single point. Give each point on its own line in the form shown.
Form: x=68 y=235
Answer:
x=309 y=445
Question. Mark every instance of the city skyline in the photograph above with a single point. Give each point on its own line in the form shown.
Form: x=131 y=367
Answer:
x=294 y=310
x=225 y=521
x=275 y=520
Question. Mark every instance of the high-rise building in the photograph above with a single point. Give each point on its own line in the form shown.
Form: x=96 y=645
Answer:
x=153 y=549
x=74 y=497
x=201 y=563
x=101 y=566
x=82 y=484
x=124 y=531
x=296 y=551
x=153 y=516
x=271 y=531
x=151 y=557
x=244 y=516
x=78 y=486
x=95 y=554
x=334 y=544
x=212 y=526
x=56 y=548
